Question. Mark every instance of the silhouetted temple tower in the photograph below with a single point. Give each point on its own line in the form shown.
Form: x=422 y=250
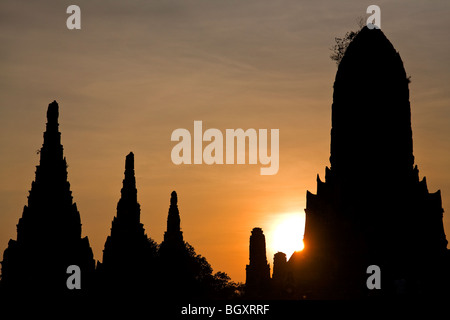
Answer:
x=282 y=280
x=129 y=255
x=176 y=267
x=371 y=116
x=49 y=231
x=172 y=249
x=279 y=267
x=128 y=208
x=372 y=207
x=173 y=235
x=258 y=271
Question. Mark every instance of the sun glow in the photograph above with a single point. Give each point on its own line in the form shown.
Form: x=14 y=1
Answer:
x=287 y=234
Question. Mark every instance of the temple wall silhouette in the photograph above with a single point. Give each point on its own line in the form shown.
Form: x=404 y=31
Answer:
x=372 y=208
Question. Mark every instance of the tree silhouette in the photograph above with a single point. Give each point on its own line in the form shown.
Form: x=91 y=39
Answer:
x=341 y=45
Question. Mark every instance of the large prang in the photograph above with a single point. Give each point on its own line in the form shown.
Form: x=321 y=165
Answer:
x=372 y=208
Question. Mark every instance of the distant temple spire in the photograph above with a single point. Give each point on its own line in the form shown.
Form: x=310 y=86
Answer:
x=282 y=280
x=258 y=271
x=49 y=231
x=279 y=266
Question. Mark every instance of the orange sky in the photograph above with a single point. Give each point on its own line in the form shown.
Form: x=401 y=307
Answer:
x=138 y=70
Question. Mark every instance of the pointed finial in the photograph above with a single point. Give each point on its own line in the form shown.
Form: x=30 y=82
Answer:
x=173 y=198
x=129 y=161
x=52 y=112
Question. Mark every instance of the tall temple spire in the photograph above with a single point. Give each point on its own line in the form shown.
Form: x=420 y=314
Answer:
x=50 y=225
x=129 y=254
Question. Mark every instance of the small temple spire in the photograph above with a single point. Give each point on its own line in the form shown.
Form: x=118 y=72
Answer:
x=258 y=271
x=128 y=205
x=173 y=219
x=279 y=266
x=173 y=235
x=129 y=162
x=173 y=199
x=129 y=181
x=53 y=112
x=51 y=153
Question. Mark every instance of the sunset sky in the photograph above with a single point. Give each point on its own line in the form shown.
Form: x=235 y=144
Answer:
x=138 y=70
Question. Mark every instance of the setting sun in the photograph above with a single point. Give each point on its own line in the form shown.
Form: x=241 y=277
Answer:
x=287 y=233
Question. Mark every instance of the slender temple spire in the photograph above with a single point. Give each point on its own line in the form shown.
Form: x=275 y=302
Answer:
x=129 y=255
x=173 y=233
x=50 y=225
x=128 y=207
